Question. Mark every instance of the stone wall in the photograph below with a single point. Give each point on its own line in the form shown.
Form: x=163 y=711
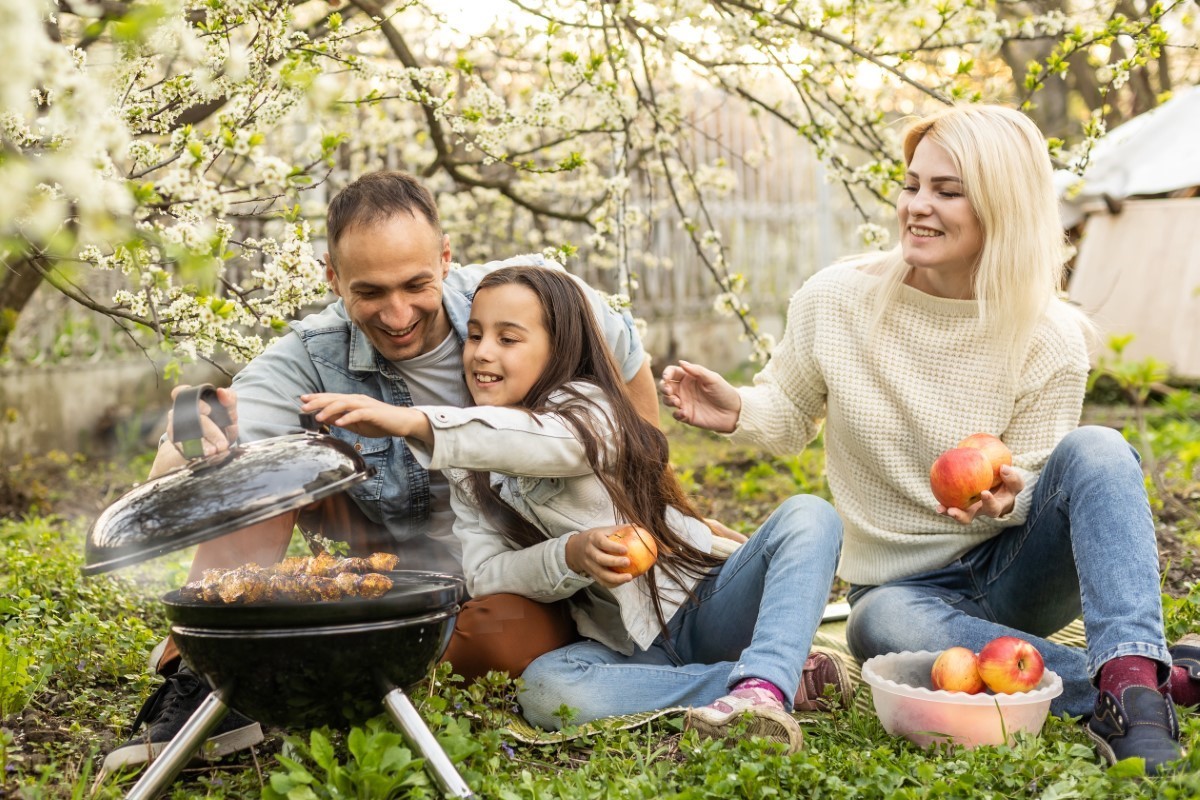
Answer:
x=94 y=407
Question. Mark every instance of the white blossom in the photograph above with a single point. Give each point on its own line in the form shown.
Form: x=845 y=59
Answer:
x=193 y=155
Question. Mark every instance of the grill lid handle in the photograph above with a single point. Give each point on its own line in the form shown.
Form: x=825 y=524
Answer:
x=186 y=429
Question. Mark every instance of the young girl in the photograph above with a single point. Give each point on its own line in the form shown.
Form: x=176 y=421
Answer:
x=554 y=447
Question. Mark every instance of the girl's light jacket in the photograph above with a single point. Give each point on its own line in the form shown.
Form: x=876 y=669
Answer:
x=542 y=472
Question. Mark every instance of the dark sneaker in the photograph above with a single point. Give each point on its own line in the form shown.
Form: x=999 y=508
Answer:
x=1186 y=653
x=1140 y=724
x=824 y=683
x=167 y=710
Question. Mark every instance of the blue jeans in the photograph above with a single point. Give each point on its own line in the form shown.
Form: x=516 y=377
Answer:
x=752 y=617
x=1087 y=546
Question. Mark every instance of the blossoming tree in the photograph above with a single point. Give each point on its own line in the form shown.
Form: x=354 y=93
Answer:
x=185 y=145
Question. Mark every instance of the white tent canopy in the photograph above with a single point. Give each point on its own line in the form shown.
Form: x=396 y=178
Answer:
x=1153 y=153
x=1137 y=270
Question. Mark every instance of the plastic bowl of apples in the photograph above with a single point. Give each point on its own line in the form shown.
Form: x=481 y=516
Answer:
x=908 y=705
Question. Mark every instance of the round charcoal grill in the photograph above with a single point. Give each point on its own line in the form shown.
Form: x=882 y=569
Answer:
x=284 y=663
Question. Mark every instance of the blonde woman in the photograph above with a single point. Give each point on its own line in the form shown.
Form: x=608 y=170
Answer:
x=901 y=355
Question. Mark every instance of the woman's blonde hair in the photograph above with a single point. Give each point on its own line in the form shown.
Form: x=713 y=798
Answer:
x=1008 y=180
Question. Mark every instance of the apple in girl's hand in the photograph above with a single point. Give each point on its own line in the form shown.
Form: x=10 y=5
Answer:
x=956 y=670
x=1009 y=664
x=997 y=452
x=641 y=549
x=959 y=476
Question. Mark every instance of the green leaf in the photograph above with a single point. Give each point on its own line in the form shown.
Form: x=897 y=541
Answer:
x=1128 y=768
x=322 y=750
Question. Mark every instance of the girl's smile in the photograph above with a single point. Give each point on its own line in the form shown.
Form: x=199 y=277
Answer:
x=507 y=346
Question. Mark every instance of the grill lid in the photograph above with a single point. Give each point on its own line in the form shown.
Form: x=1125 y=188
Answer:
x=213 y=495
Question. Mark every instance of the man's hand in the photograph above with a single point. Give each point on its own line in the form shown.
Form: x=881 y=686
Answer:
x=700 y=397
x=214 y=440
x=995 y=503
x=592 y=553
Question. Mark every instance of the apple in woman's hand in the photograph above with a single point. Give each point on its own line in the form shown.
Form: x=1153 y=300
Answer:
x=959 y=476
x=641 y=549
x=1008 y=664
x=956 y=669
x=996 y=451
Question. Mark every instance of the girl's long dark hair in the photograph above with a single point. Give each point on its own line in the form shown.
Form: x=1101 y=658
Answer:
x=632 y=461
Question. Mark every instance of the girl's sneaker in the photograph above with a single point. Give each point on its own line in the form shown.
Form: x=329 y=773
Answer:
x=766 y=719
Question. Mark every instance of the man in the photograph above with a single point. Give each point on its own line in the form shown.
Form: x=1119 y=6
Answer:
x=395 y=333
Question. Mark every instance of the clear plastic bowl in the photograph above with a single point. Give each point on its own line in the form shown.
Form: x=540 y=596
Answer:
x=908 y=706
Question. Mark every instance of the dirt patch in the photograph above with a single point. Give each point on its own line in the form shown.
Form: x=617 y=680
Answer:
x=1177 y=560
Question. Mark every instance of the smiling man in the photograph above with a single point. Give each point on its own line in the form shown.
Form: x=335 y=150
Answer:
x=395 y=333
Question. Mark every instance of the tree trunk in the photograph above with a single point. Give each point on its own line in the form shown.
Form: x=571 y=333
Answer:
x=18 y=282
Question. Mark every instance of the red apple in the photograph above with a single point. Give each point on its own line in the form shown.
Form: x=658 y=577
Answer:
x=641 y=549
x=997 y=452
x=959 y=476
x=956 y=670
x=1009 y=665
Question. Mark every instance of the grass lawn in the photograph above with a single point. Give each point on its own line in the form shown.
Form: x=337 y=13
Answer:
x=73 y=674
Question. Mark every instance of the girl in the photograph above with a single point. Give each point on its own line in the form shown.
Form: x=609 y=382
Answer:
x=957 y=331
x=554 y=447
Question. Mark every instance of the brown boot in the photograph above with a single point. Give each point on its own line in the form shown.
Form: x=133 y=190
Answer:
x=821 y=671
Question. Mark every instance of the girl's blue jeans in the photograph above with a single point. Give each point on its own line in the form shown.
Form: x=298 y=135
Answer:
x=1088 y=546
x=752 y=617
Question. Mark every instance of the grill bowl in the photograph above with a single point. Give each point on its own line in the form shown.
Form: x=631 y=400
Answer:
x=332 y=675
x=323 y=662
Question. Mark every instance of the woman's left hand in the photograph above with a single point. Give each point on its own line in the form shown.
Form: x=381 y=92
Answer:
x=997 y=502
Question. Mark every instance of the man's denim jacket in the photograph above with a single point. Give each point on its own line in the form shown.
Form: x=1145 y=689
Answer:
x=325 y=352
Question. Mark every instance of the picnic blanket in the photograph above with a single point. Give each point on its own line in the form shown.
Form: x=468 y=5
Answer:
x=830 y=638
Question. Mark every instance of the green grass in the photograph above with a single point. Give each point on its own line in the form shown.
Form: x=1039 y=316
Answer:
x=79 y=675
x=73 y=674
x=84 y=643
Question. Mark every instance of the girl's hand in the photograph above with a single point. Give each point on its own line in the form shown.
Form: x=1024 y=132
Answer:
x=700 y=397
x=593 y=554
x=995 y=503
x=367 y=416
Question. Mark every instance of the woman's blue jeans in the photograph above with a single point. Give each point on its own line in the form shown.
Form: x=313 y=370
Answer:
x=1087 y=546
x=753 y=617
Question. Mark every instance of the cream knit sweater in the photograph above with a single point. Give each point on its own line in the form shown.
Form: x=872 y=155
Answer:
x=893 y=403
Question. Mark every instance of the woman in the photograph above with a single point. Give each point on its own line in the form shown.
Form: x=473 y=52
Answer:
x=958 y=330
x=553 y=447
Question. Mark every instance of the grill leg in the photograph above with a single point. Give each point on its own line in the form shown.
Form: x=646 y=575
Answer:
x=176 y=755
x=420 y=739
